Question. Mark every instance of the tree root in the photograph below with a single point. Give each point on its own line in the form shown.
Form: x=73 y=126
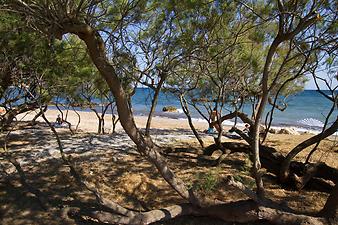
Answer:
x=241 y=211
x=272 y=160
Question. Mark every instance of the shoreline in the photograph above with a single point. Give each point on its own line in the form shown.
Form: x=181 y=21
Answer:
x=307 y=124
x=300 y=126
x=89 y=122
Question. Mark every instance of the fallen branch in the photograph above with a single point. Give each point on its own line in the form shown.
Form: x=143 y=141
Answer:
x=243 y=211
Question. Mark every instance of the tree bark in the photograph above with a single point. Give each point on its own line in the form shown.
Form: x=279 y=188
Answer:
x=272 y=159
x=281 y=37
x=284 y=170
x=79 y=118
x=99 y=128
x=192 y=127
x=331 y=206
x=8 y=118
x=39 y=113
x=256 y=124
x=232 y=115
x=154 y=103
x=244 y=211
x=145 y=145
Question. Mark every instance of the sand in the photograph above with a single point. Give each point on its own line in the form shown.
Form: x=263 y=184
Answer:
x=166 y=131
x=112 y=164
x=89 y=121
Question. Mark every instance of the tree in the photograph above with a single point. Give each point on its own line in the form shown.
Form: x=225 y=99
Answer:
x=20 y=71
x=91 y=23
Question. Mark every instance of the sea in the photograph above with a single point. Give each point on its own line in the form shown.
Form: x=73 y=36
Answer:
x=305 y=110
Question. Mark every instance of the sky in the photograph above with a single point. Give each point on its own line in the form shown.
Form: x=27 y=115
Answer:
x=310 y=85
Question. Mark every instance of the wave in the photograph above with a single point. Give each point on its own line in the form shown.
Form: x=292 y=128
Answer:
x=311 y=122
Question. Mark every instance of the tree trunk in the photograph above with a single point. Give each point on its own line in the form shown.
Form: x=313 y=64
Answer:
x=10 y=115
x=331 y=205
x=245 y=211
x=39 y=114
x=114 y=123
x=99 y=127
x=145 y=146
x=79 y=119
x=59 y=109
x=153 y=104
x=271 y=160
x=284 y=170
x=99 y=118
x=102 y=122
x=257 y=122
x=187 y=113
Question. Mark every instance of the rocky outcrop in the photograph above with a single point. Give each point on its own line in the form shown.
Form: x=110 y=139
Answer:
x=288 y=130
x=273 y=131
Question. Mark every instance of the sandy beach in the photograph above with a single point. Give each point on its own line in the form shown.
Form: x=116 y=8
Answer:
x=89 y=121
x=167 y=130
x=111 y=163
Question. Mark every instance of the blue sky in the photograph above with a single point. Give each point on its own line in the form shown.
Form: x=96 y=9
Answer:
x=310 y=85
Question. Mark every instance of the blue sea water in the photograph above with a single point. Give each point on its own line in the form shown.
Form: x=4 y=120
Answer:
x=306 y=109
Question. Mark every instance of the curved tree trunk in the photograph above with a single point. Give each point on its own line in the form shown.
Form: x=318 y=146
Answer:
x=67 y=110
x=99 y=118
x=260 y=110
x=323 y=129
x=284 y=170
x=187 y=113
x=39 y=114
x=79 y=118
x=103 y=113
x=331 y=205
x=232 y=115
x=272 y=159
x=145 y=146
x=114 y=123
x=10 y=115
x=59 y=109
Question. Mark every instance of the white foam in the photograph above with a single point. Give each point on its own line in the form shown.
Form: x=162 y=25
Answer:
x=199 y=120
x=311 y=122
x=180 y=111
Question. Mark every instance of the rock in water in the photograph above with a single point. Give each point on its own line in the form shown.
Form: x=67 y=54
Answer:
x=169 y=109
x=288 y=131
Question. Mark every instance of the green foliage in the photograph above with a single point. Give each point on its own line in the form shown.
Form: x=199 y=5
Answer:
x=206 y=182
x=210 y=50
x=246 y=167
x=25 y=56
x=247 y=181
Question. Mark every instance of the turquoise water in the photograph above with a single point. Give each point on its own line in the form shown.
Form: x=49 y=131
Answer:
x=306 y=109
